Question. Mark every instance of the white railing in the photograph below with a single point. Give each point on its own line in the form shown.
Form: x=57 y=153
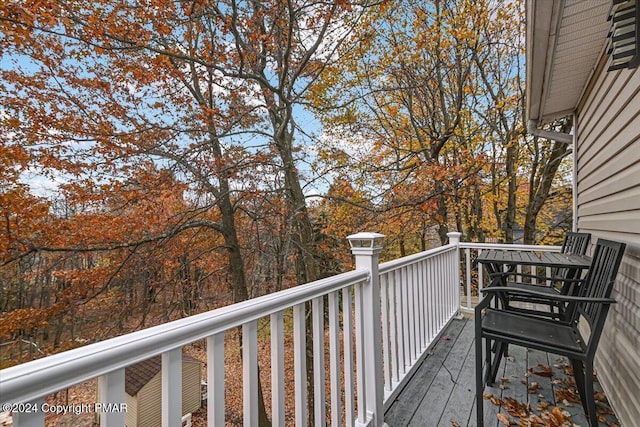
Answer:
x=420 y=295
x=375 y=324
x=473 y=275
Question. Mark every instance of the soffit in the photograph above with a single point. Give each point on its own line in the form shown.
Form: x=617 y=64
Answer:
x=565 y=39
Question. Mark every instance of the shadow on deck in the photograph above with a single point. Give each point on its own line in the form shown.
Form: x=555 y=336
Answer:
x=441 y=392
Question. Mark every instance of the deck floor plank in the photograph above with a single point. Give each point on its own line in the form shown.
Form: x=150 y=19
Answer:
x=442 y=391
x=460 y=404
x=407 y=403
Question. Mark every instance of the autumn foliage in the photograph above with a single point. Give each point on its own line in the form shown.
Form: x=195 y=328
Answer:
x=160 y=159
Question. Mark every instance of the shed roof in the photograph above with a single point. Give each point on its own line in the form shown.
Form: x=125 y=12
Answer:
x=565 y=39
x=137 y=375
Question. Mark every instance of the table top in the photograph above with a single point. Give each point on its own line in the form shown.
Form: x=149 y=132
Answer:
x=544 y=259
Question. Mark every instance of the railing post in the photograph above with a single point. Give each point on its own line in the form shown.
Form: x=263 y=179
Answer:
x=454 y=239
x=111 y=390
x=366 y=249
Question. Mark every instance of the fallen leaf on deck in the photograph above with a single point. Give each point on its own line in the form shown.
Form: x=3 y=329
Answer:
x=533 y=388
x=560 y=415
x=542 y=406
x=454 y=423
x=542 y=371
x=505 y=420
x=516 y=408
x=568 y=394
x=599 y=396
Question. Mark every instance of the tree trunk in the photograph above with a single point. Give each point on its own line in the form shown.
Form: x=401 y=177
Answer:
x=543 y=172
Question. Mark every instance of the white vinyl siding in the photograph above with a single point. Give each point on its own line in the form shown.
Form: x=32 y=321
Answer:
x=608 y=206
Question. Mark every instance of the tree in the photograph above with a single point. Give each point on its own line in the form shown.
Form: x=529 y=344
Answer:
x=207 y=90
x=406 y=91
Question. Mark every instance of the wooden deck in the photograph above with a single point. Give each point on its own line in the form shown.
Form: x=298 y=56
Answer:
x=441 y=392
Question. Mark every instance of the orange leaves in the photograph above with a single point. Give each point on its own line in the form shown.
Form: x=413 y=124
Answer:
x=25 y=318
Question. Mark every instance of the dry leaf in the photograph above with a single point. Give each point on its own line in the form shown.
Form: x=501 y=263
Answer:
x=599 y=396
x=542 y=371
x=505 y=420
x=454 y=423
x=560 y=414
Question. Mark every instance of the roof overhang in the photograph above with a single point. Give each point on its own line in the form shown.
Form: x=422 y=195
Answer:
x=565 y=39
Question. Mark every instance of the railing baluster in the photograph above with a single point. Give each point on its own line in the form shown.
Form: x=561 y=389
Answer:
x=417 y=308
x=467 y=256
x=250 y=373
x=111 y=390
x=438 y=299
x=480 y=278
x=319 y=400
x=347 y=331
x=277 y=369
x=422 y=290
x=30 y=419
x=334 y=359
x=411 y=307
x=454 y=267
x=430 y=298
x=386 y=337
x=399 y=312
x=360 y=356
x=300 y=364
x=215 y=380
x=393 y=327
x=172 y=387
x=406 y=332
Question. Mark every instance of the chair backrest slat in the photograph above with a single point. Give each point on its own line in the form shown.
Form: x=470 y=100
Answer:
x=574 y=243
x=599 y=283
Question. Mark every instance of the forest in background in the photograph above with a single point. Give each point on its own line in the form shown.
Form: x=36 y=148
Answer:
x=206 y=152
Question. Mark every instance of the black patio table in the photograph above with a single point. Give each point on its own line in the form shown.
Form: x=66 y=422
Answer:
x=495 y=260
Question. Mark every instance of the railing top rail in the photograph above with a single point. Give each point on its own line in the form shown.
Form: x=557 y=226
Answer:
x=510 y=247
x=38 y=378
x=404 y=261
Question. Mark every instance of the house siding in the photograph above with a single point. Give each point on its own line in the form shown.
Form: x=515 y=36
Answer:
x=608 y=206
x=131 y=417
x=149 y=398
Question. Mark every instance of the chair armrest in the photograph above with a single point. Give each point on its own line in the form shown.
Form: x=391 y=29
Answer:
x=559 y=297
x=537 y=276
x=482 y=304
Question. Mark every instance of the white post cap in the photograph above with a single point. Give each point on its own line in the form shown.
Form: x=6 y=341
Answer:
x=366 y=240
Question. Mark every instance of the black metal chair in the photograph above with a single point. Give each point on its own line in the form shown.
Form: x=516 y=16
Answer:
x=562 y=337
x=563 y=281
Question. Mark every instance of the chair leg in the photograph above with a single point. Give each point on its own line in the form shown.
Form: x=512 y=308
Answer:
x=488 y=350
x=588 y=391
x=579 y=376
x=500 y=352
x=479 y=378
